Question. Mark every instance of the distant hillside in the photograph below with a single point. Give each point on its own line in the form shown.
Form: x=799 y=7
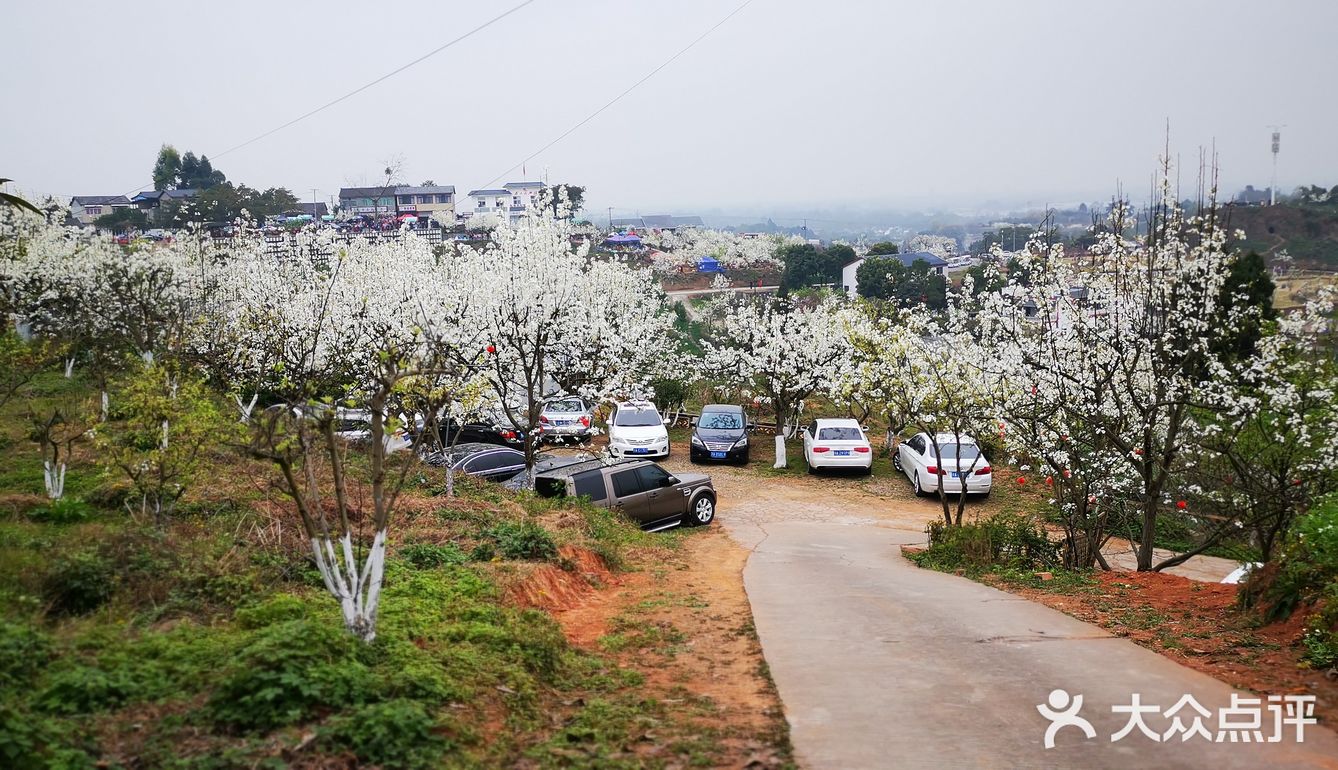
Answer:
x=1308 y=232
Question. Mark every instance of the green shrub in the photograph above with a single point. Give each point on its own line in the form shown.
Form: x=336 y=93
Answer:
x=79 y=582
x=275 y=609
x=429 y=556
x=67 y=510
x=395 y=734
x=83 y=690
x=24 y=651
x=522 y=540
x=286 y=672
x=1304 y=576
x=1009 y=540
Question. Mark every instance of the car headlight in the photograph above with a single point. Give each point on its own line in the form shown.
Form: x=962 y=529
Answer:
x=696 y=440
x=741 y=443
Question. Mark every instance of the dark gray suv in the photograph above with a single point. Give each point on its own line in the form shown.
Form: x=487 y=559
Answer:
x=651 y=496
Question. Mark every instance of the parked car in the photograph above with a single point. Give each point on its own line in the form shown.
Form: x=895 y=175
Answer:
x=721 y=433
x=837 y=443
x=646 y=493
x=487 y=428
x=958 y=465
x=355 y=426
x=487 y=461
x=567 y=419
x=554 y=467
x=637 y=430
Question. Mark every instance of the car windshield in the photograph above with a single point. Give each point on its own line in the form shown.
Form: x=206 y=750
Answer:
x=951 y=451
x=720 y=421
x=566 y=405
x=840 y=434
x=637 y=418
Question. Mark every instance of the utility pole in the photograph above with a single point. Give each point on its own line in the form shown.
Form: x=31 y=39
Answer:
x=610 y=219
x=1273 y=188
x=315 y=217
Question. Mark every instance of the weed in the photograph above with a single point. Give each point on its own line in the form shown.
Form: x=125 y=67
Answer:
x=395 y=734
x=524 y=540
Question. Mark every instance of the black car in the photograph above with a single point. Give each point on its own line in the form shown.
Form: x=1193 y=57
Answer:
x=720 y=435
x=486 y=461
x=485 y=429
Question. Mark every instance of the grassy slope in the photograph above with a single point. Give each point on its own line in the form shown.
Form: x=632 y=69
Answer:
x=210 y=642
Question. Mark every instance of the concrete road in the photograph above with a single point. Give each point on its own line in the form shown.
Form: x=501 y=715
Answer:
x=881 y=664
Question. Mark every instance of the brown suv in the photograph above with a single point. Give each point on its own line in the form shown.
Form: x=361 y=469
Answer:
x=651 y=496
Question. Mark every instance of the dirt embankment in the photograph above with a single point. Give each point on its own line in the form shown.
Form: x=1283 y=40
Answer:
x=686 y=627
x=1198 y=625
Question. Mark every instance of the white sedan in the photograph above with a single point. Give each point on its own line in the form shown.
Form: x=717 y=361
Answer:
x=957 y=464
x=837 y=443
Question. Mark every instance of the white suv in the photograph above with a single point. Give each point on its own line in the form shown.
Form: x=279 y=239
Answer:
x=637 y=430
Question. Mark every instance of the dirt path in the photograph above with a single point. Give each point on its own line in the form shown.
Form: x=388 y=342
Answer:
x=876 y=659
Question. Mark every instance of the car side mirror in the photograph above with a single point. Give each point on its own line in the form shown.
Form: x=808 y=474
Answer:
x=694 y=422
x=664 y=420
x=668 y=481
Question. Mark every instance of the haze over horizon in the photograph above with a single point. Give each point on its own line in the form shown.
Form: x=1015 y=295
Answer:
x=786 y=106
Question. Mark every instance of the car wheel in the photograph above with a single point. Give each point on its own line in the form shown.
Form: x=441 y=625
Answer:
x=896 y=461
x=811 y=470
x=743 y=460
x=701 y=513
x=919 y=490
x=867 y=471
x=693 y=459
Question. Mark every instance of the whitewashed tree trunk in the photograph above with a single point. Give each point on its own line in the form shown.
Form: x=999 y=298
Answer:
x=244 y=407
x=780 y=451
x=54 y=478
x=358 y=591
x=106 y=405
x=164 y=444
x=450 y=481
x=69 y=367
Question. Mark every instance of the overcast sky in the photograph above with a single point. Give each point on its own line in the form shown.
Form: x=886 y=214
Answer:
x=788 y=104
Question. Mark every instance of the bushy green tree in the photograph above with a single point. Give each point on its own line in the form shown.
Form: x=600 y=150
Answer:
x=163 y=423
x=121 y=219
x=884 y=247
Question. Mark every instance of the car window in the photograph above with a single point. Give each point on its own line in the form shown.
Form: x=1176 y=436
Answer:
x=637 y=418
x=652 y=476
x=591 y=485
x=626 y=483
x=917 y=443
x=566 y=405
x=844 y=433
x=720 y=421
x=960 y=451
x=495 y=460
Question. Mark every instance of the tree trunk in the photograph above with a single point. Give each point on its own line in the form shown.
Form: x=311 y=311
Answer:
x=1148 y=536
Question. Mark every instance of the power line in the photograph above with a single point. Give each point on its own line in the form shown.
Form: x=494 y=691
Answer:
x=619 y=97
x=368 y=85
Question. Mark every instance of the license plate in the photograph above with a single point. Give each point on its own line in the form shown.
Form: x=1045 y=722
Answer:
x=641 y=451
x=841 y=452
x=717 y=455
x=956 y=475
x=564 y=422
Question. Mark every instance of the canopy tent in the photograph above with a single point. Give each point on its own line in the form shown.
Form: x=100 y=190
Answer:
x=624 y=239
x=709 y=265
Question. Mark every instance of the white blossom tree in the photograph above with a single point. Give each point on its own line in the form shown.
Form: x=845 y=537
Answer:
x=1119 y=347
x=786 y=351
x=918 y=371
x=556 y=321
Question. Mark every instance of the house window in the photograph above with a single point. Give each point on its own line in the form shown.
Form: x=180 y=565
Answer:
x=444 y=198
x=92 y=210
